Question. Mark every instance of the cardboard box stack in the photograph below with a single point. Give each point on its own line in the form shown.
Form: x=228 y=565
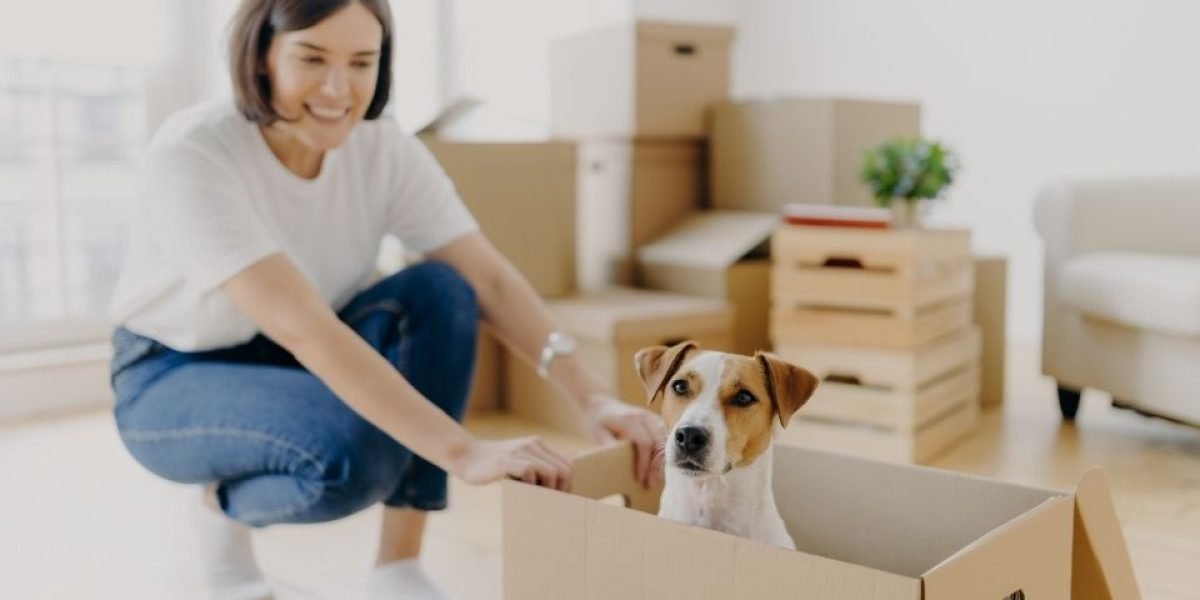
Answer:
x=768 y=153
x=634 y=96
x=624 y=164
x=720 y=255
x=500 y=179
x=884 y=318
x=611 y=325
x=764 y=154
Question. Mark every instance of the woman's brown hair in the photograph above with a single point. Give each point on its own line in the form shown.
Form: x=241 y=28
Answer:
x=255 y=25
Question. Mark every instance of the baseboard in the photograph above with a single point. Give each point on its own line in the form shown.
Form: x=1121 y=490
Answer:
x=44 y=383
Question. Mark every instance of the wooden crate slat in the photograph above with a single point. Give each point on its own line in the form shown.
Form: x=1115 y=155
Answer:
x=897 y=369
x=895 y=249
x=882 y=444
x=868 y=328
x=905 y=411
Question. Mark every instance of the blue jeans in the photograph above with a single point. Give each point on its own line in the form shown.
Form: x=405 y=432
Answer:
x=281 y=446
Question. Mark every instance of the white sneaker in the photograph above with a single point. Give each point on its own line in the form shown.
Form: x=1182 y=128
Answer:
x=402 y=579
x=226 y=555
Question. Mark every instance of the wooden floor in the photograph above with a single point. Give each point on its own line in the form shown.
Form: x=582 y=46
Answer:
x=79 y=519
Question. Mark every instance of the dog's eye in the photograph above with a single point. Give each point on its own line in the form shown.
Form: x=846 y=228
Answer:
x=743 y=398
x=680 y=387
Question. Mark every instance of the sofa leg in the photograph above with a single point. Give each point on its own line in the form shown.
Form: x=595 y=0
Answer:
x=1068 y=402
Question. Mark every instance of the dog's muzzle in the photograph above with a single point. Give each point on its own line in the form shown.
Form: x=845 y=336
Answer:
x=691 y=446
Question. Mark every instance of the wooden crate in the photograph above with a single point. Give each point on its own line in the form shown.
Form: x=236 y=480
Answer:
x=885 y=444
x=882 y=288
x=902 y=405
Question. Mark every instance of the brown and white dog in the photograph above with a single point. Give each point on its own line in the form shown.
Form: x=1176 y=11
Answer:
x=721 y=412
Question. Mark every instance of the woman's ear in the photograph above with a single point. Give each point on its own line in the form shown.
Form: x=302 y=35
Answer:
x=656 y=364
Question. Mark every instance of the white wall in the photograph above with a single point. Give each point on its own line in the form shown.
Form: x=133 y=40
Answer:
x=1027 y=92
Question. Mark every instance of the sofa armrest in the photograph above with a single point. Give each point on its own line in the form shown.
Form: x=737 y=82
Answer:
x=1160 y=215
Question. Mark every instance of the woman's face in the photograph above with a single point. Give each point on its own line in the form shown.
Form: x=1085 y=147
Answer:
x=323 y=78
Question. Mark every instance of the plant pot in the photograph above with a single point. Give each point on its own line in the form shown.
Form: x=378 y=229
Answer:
x=906 y=214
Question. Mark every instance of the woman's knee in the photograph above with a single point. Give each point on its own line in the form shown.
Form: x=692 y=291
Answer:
x=445 y=297
x=358 y=469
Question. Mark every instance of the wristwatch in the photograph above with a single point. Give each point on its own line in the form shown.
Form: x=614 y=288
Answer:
x=557 y=344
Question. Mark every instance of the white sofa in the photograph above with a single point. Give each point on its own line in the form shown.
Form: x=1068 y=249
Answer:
x=1122 y=293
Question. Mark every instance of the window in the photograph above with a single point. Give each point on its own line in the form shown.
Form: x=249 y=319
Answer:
x=77 y=106
x=69 y=137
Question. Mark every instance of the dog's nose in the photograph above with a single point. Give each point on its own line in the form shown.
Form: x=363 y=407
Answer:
x=691 y=439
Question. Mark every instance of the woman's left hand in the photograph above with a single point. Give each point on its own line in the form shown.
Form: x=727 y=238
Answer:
x=607 y=418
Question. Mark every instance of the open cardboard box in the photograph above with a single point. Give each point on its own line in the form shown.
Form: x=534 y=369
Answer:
x=864 y=531
x=718 y=254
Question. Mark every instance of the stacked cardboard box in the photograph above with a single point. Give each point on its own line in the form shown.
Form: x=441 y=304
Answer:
x=720 y=255
x=634 y=97
x=764 y=154
x=498 y=180
x=807 y=150
x=611 y=325
x=884 y=318
x=631 y=99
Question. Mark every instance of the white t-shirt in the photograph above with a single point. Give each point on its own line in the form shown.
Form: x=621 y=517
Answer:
x=215 y=200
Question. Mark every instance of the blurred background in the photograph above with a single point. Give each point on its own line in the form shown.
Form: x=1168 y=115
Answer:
x=1027 y=93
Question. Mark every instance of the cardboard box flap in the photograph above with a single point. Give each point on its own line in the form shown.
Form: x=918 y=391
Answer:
x=616 y=313
x=682 y=33
x=714 y=239
x=900 y=519
x=1034 y=549
x=608 y=472
x=1101 y=569
x=449 y=115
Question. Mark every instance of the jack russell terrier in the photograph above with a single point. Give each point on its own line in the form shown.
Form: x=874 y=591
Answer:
x=720 y=411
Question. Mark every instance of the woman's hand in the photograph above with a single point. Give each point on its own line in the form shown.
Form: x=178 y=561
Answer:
x=607 y=418
x=526 y=459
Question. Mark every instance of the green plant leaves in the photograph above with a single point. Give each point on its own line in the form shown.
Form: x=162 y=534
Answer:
x=908 y=168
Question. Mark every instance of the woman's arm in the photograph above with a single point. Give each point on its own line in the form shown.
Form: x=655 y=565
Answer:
x=287 y=308
x=514 y=309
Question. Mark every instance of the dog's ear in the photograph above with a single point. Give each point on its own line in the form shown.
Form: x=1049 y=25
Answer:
x=656 y=364
x=789 y=386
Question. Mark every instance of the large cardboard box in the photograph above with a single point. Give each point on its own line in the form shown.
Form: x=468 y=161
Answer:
x=523 y=195
x=864 y=531
x=638 y=79
x=718 y=254
x=487 y=382
x=499 y=179
x=630 y=192
x=611 y=325
x=766 y=153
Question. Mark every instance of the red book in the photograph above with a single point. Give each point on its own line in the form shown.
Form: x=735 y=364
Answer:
x=823 y=215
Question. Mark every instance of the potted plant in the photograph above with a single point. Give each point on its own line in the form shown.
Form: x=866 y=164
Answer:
x=903 y=172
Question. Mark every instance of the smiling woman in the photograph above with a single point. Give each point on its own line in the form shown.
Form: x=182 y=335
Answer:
x=326 y=67
x=257 y=354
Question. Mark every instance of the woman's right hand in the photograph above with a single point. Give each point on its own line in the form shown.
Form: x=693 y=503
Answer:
x=526 y=459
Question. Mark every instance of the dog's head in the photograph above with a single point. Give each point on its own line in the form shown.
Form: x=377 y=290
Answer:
x=720 y=408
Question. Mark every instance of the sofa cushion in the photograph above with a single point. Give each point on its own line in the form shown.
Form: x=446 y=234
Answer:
x=1159 y=292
